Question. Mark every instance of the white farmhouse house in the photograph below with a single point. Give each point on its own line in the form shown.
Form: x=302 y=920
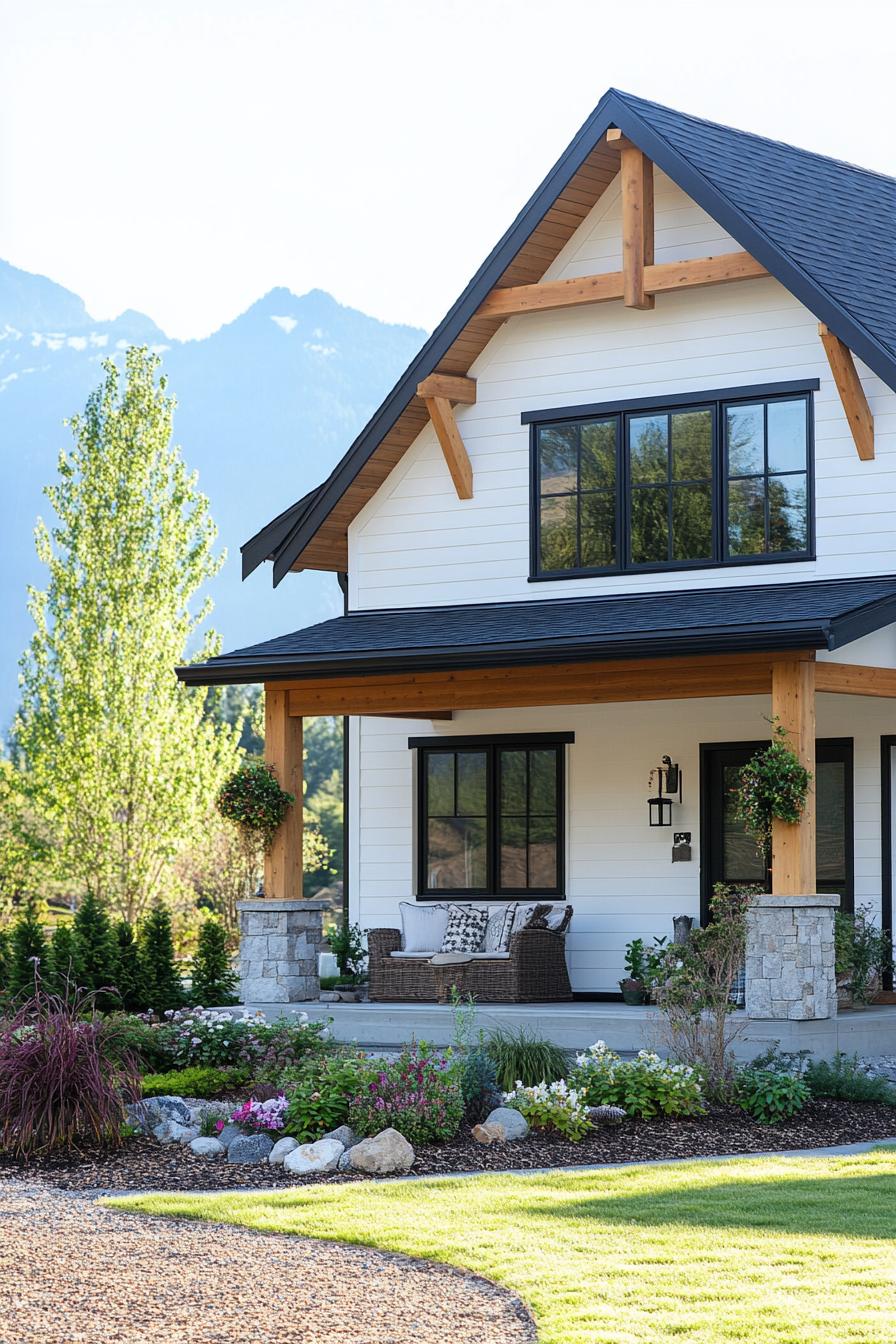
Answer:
x=634 y=498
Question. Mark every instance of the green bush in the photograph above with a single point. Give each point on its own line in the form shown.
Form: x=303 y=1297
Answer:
x=63 y=974
x=27 y=950
x=161 y=982
x=128 y=972
x=645 y=1086
x=842 y=1078
x=320 y=1092
x=139 y=1039
x=418 y=1094
x=214 y=981
x=770 y=1097
x=208 y=1084
x=523 y=1056
x=96 y=951
x=552 y=1106
x=285 y=1044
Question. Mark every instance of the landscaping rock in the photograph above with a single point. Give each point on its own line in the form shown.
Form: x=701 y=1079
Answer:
x=170 y=1131
x=607 y=1116
x=313 y=1157
x=329 y=996
x=250 y=1148
x=200 y=1111
x=345 y=1161
x=386 y=1152
x=511 y=1124
x=207 y=1148
x=152 y=1111
x=227 y=1135
x=280 y=1150
x=171 y=1108
x=486 y=1133
x=344 y=1135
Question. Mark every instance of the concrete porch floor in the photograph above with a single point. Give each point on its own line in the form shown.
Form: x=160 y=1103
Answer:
x=575 y=1026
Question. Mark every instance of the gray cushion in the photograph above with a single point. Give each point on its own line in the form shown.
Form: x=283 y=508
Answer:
x=422 y=927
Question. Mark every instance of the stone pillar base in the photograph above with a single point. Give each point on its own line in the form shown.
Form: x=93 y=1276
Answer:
x=790 y=958
x=279 y=946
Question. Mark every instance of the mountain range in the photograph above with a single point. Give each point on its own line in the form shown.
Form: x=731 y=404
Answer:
x=266 y=406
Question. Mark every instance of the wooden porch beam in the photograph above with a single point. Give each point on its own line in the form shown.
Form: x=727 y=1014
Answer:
x=448 y=385
x=793 y=844
x=441 y=413
x=437 y=715
x=855 y=679
x=283 y=750
x=852 y=393
x=605 y=288
x=636 y=177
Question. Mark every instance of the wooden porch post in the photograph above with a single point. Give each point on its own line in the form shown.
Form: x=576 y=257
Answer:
x=283 y=751
x=793 y=846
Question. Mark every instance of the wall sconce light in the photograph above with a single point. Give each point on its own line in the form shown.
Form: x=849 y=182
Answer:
x=668 y=779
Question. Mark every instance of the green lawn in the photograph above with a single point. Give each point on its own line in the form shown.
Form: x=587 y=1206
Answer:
x=770 y=1251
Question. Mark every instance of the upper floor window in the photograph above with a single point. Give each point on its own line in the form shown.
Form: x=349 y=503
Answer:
x=643 y=488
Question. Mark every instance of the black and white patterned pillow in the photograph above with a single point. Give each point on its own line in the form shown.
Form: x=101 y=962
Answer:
x=497 y=931
x=465 y=929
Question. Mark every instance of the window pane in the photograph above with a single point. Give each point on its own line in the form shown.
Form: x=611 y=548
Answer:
x=543 y=781
x=513 y=852
x=787 y=435
x=831 y=822
x=543 y=852
x=471 y=774
x=746 y=517
x=787 y=516
x=692 y=445
x=745 y=440
x=648 y=447
x=598 y=530
x=692 y=522
x=650 y=526
x=558 y=533
x=557 y=455
x=741 y=858
x=599 y=455
x=456 y=852
x=440 y=784
x=513 y=781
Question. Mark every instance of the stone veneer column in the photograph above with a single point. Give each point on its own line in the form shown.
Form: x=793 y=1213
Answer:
x=279 y=946
x=790 y=958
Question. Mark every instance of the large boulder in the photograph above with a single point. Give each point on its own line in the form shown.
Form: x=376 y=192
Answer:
x=145 y=1115
x=385 y=1153
x=281 y=1149
x=250 y=1148
x=200 y=1111
x=207 y=1148
x=504 y=1124
x=171 y=1131
x=310 y=1158
x=227 y=1135
x=344 y=1135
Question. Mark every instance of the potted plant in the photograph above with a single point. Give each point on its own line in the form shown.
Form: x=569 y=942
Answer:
x=634 y=986
x=347 y=945
x=862 y=955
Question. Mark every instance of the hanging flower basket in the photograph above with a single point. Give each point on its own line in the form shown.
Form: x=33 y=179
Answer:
x=774 y=784
x=255 y=803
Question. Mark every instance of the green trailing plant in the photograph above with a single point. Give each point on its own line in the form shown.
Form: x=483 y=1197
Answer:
x=770 y=1097
x=161 y=983
x=97 y=951
x=862 y=953
x=347 y=945
x=214 y=980
x=205 y=1083
x=772 y=785
x=522 y=1056
x=254 y=802
x=320 y=1093
x=27 y=951
x=844 y=1079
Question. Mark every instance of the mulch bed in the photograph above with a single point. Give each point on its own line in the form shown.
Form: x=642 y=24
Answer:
x=143 y=1164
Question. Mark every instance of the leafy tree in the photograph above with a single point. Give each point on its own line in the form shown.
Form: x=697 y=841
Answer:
x=242 y=708
x=324 y=813
x=128 y=970
x=124 y=760
x=96 y=948
x=161 y=982
x=28 y=948
x=214 y=981
x=322 y=740
x=5 y=959
x=25 y=847
x=65 y=971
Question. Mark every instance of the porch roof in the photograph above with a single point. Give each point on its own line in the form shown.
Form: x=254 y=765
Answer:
x=724 y=619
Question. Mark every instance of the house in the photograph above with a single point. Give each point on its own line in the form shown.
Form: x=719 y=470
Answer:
x=633 y=499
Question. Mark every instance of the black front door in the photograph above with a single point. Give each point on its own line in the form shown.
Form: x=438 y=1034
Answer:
x=729 y=855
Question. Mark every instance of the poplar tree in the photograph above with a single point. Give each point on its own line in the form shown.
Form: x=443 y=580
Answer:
x=124 y=760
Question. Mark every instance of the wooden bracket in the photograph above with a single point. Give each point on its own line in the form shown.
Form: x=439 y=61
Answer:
x=852 y=393
x=438 y=391
x=636 y=173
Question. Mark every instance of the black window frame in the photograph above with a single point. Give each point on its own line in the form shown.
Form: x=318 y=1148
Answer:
x=716 y=402
x=492 y=745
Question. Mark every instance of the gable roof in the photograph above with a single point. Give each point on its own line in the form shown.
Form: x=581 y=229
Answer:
x=825 y=229
x=822 y=614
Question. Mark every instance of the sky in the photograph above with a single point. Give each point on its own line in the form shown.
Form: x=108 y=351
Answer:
x=183 y=157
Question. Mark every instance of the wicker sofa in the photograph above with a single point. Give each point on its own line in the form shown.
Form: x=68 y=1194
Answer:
x=532 y=971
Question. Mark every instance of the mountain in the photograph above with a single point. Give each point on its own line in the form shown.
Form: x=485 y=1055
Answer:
x=266 y=406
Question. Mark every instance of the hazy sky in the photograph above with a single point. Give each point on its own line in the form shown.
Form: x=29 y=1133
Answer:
x=184 y=156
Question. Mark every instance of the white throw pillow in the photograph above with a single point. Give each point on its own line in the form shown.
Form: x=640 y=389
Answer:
x=422 y=926
x=497 y=930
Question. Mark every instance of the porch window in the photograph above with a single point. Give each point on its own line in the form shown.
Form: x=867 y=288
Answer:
x=490 y=817
x=684 y=485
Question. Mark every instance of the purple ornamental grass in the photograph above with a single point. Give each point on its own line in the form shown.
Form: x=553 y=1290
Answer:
x=64 y=1076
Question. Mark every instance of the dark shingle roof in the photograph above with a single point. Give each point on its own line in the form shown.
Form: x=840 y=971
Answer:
x=723 y=619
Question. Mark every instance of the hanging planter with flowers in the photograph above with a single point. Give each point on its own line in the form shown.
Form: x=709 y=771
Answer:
x=255 y=803
x=774 y=784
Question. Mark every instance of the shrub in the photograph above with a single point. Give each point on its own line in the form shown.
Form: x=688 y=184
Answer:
x=319 y=1094
x=96 y=951
x=770 y=1097
x=844 y=1079
x=478 y=1083
x=214 y=980
x=262 y=1117
x=283 y=1045
x=161 y=982
x=64 y=1077
x=128 y=971
x=64 y=967
x=524 y=1056
x=266 y=1049
x=347 y=945
x=205 y=1083
x=27 y=952
x=140 y=1039
x=646 y=1086
x=552 y=1106
x=863 y=952
x=5 y=950
x=418 y=1094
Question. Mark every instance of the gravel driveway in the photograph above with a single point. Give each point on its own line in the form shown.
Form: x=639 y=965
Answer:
x=72 y=1272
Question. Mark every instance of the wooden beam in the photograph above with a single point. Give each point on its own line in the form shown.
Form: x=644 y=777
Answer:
x=437 y=715
x=618 y=140
x=793 y=844
x=448 y=385
x=658 y=279
x=855 y=679
x=441 y=413
x=636 y=174
x=283 y=751
x=852 y=393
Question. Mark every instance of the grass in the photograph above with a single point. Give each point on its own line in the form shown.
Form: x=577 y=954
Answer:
x=774 y=1251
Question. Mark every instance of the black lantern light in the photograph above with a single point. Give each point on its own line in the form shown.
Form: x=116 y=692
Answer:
x=668 y=783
